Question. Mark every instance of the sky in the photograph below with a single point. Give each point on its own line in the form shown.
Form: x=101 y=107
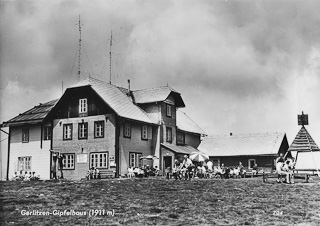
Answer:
x=240 y=66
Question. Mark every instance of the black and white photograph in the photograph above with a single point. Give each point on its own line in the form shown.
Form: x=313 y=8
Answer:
x=164 y=112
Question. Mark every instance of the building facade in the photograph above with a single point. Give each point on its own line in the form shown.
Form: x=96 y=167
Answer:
x=100 y=125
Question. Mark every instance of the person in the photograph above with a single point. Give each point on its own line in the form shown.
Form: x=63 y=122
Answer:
x=168 y=172
x=60 y=161
x=176 y=170
x=241 y=169
x=279 y=165
x=187 y=163
x=130 y=172
x=54 y=166
x=15 y=176
x=227 y=173
x=288 y=168
x=255 y=169
x=26 y=176
x=210 y=166
x=96 y=174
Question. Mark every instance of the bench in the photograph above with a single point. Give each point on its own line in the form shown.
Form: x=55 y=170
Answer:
x=107 y=173
x=304 y=176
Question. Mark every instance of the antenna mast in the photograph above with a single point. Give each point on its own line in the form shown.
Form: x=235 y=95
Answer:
x=79 y=56
x=110 y=59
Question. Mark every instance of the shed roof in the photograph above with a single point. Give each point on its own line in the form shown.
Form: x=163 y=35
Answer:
x=34 y=115
x=120 y=102
x=158 y=94
x=187 y=124
x=181 y=149
x=242 y=145
x=303 y=142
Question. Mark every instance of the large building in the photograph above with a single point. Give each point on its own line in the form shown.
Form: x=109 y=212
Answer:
x=97 y=124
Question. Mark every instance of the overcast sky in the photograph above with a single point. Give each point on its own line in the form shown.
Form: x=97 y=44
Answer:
x=241 y=66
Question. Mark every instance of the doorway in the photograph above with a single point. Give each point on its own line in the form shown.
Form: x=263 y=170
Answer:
x=167 y=161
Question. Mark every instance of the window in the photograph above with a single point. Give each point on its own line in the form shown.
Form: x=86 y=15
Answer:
x=99 y=160
x=169 y=110
x=99 y=129
x=180 y=138
x=47 y=133
x=127 y=130
x=144 y=132
x=24 y=163
x=25 y=135
x=135 y=159
x=83 y=106
x=83 y=130
x=68 y=161
x=169 y=134
x=67 y=132
x=251 y=163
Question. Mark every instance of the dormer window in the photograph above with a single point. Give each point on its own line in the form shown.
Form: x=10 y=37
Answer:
x=83 y=106
x=169 y=110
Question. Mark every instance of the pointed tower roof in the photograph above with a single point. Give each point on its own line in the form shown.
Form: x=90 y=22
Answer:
x=303 y=142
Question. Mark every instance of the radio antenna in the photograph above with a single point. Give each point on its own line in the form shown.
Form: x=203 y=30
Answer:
x=110 y=73
x=79 y=56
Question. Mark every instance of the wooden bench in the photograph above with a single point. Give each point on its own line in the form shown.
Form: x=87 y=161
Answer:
x=304 y=176
x=106 y=173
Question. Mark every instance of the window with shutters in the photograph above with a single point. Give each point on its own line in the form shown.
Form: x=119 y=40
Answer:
x=67 y=132
x=99 y=129
x=144 y=132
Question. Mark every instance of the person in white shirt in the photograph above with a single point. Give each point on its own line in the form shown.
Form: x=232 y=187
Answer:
x=187 y=163
x=210 y=166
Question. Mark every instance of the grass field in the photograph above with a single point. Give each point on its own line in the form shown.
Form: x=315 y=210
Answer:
x=160 y=202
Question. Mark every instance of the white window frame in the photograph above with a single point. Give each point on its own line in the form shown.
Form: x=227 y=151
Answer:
x=127 y=130
x=144 y=132
x=135 y=159
x=83 y=130
x=249 y=160
x=99 y=159
x=67 y=132
x=24 y=163
x=99 y=129
x=25 y=135
x=83 y=105
x=47 y=133
x=169 y=110
x=68 y=161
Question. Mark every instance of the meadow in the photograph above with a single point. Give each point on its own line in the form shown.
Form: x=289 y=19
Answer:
x=156 y=201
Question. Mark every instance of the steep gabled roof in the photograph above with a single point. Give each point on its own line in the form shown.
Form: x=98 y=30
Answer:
x=240 y=145
x=187 y=124
x=159 y=94
x=181 y=149
x=303 y=142
x=116 y=99
x=32 y=116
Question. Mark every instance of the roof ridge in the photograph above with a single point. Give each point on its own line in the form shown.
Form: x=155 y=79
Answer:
x=247 y=134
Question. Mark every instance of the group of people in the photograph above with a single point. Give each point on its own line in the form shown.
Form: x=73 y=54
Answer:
x=25 y=176
x=188 y=169
x=93 y=173
x=285 y=166
x=144 y=171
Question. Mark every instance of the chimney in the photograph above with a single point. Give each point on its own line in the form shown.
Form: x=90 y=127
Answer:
x=230 y=134
x=128 y=86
